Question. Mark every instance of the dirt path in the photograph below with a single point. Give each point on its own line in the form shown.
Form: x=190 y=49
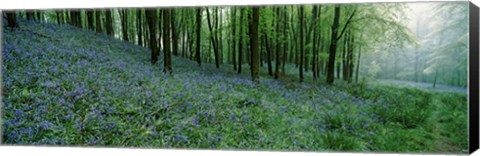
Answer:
x=438 y=87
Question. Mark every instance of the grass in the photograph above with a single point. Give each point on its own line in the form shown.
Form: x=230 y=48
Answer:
x=88 y=89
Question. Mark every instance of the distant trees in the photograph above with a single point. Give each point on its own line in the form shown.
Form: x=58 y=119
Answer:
x=330 y=41
x=124 y=22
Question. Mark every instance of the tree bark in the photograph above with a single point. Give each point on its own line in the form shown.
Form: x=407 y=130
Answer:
x=12 y=19
x=301 y=43
x=269 y=54
x=358 y=64
x=90 y=21
x=254 y=43
x=98 y=23
x=199 y=26
x=166 y=42
x=124 y=17
x=234 y=38
x=174 y=33
x=277 y=43
x=212 y=38
x=152 y=20
x=333 y=46
x=240 y=41
x=139 y=27
x=284 y=38
x=109 y=22
x=30 y=15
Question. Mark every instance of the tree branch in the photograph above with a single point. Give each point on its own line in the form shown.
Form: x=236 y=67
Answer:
x=346 y=24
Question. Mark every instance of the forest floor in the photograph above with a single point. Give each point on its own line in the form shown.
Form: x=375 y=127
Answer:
x=439 y=87
x=76 y=87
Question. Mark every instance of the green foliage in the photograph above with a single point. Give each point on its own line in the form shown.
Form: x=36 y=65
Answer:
x=89 y=89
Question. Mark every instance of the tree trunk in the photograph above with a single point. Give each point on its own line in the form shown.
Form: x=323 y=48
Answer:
x=174 y=33
x=57 y=14
x=333 y=46
x=109 y=22
x=218 y=34
x=284 y=38
x=30 y=15
x=90 y=20
x=124 y=17
x=139 y=27
x=254 y=43
x=277 y=43
x=12 y=19
x=240 y=41
x=269 y=54
x=301 y=43
x=234 y=36
x=344 y=56
x=358 y=64
x=152 y=20
x=98 y=24
x=212 y=38
x=199 y=25
x=350 y=59
x=39 y=16
x=166 y=42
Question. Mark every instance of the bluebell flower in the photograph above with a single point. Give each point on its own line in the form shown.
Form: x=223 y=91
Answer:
x=18 y=112
x=46 y=124
x=232 y=117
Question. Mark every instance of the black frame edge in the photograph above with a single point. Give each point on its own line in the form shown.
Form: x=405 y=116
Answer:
x=473 y=78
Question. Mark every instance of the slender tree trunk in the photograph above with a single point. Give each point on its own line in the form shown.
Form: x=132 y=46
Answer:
x=234 y=36
x=240 y=41
x=90 y=20
x=30 y=15
x=212 y=38
x=124 y=17
x=98 y=23
x=269 y=54
x=174 y=33
x=199 y=25
x=254 y=43
x=139 y=27
x=109 y=22
x=62 y=17
x=166 y=42
x=350 y=59
x=39 y=16
x=57 y=14
x=358 y=64
x=284 y=38
x=277 y=43
x=152 y=20
x=160 y=28
x=219 y=36
x=302 y=48
x=333 y=46
x=344 y=56
x=11 y=19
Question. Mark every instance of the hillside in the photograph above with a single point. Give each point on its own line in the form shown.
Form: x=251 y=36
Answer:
x=68 y=86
